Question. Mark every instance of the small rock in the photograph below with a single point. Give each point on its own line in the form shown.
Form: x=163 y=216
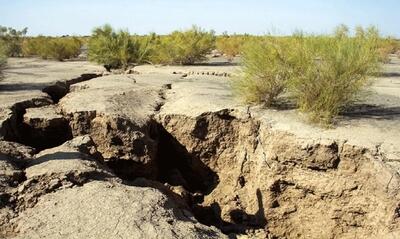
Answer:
x=54 y=183
x=167 y=86
x=129 y=71
x=67 y=185
x=23 y=186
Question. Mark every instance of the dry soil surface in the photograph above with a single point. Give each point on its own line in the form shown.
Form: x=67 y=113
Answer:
x=168 y=151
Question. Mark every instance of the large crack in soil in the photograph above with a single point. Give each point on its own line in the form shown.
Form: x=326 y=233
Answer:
x=189 y=155
x=155 y=155
x=45 y=128
x=286 y=186
x=178 y=167
x=233 y=172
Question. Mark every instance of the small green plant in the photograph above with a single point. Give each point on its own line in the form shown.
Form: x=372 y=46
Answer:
x=184 y=47
x=114 y=49
x=12 y=40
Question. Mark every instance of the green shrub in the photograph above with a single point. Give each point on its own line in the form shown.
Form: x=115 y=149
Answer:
x=184 y=47
x=323 y=74
x=342 y=31
x=385 y=46
x=329 y=74
x=3 y=55
x=12 y=40
x=64 y=48
x=32 y=46
x=52 y=48
x=231 y=46
x=114 y=49
x=37 y=46
x=119 y=49
x=388 y=46
x=147 y=47
x=265 y=71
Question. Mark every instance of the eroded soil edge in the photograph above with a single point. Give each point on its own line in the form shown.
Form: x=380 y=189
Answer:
x=287 y=186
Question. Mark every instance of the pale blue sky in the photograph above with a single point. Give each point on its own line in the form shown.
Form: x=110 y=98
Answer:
x=58 y=17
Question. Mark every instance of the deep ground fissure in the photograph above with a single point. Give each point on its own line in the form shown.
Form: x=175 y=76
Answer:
x=54 y=134
x=175 y=165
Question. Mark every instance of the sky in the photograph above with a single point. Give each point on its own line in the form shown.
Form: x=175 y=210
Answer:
x=280 y=17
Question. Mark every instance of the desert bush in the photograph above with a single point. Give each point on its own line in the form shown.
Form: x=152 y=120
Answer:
x=322 y=74
x=12 y=40
x=330 y=73
x=64 y=48
x=266 y=69
x=341 y=31
x=388 y=46
x=184 y=47
x=31 y=46
x=52 y=48
x=3 y=56
x=231 y=46
x=385 y=46
x=114 y=49
x=147 y=47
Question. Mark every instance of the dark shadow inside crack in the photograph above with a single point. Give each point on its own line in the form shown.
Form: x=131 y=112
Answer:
x=55 y=132
x=177 y=167
x=240 y=221
x=51 y=135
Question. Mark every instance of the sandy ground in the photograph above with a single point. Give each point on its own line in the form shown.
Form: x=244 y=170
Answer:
x=375 y=122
